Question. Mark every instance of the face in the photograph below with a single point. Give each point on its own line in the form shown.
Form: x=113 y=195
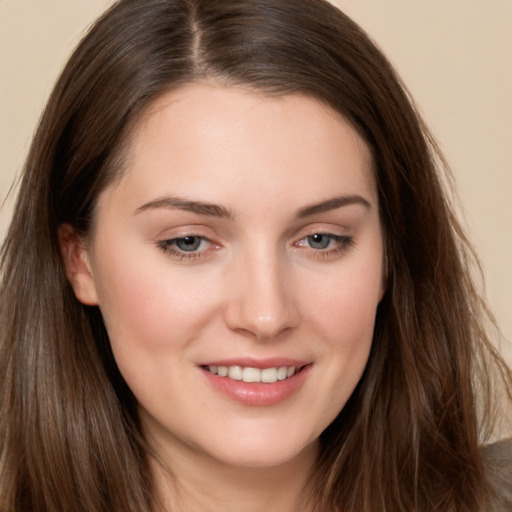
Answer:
x=243 y=239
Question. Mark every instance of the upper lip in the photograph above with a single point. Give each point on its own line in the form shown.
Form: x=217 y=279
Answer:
x=250 y=362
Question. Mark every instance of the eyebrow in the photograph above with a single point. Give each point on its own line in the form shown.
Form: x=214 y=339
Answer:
x=214 y=210
x=178 y=203
x=332 y=204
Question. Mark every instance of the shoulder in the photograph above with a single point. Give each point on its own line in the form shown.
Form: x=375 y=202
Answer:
x=498 y=459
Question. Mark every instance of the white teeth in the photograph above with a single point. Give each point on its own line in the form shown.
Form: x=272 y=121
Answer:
x=269 y=375
x=235 y=372
x=248 y=374
x=251 y=375
x=282 y=372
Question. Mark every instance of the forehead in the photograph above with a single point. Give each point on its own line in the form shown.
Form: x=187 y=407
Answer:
x=205 y=138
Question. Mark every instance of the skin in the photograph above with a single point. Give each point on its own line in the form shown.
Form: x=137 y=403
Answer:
x=258 y=285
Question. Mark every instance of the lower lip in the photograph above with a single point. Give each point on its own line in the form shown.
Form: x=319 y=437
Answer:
x=257 y=393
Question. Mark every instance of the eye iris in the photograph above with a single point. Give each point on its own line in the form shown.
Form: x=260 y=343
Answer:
x=188 y=243
x=319 y=241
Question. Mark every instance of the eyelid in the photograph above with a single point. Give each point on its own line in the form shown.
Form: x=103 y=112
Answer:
x=343 y=243
x=168 y=246
x=334 y=230
x=339 y=243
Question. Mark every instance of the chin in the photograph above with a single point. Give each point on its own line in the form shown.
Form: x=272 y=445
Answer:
x=252 y=453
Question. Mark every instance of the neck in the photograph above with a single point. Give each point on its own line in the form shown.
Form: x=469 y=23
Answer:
x=192 y=481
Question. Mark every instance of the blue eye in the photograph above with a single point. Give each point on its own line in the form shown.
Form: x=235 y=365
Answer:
x=319 y=241
x=325 y=245
x=186 y=247
x=322 y=241
x=188 y=243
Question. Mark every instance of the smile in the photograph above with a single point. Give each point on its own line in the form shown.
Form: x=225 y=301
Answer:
x=256 y=382
x=248 y=374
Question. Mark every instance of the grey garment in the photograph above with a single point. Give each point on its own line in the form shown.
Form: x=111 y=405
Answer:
x=498 y=457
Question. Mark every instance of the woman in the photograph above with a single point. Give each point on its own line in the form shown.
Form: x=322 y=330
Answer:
x=232 y=280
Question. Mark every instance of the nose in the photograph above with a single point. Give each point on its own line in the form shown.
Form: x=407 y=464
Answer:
x=262 y=303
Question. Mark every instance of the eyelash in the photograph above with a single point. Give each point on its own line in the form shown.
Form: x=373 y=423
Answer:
x=341 y=244
x=170 y=247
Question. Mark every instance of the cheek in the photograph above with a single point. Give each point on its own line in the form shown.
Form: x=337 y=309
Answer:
x=342 y=317
x=345 y=306
x=151 y=319
x=147 y=308
x=347 y=323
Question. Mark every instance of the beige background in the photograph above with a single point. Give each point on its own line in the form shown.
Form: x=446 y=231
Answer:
x=454 y=55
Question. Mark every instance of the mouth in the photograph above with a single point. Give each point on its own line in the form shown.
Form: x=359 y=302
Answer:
x=257 y=382
x=250 y=374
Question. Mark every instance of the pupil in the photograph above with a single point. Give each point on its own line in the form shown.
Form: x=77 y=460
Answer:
x=319 y=241
x=188 y=243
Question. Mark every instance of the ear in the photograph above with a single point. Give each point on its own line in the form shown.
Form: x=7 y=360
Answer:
x=76 y=260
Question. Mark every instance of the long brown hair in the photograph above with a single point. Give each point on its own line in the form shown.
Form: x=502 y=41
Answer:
x=408 y=439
